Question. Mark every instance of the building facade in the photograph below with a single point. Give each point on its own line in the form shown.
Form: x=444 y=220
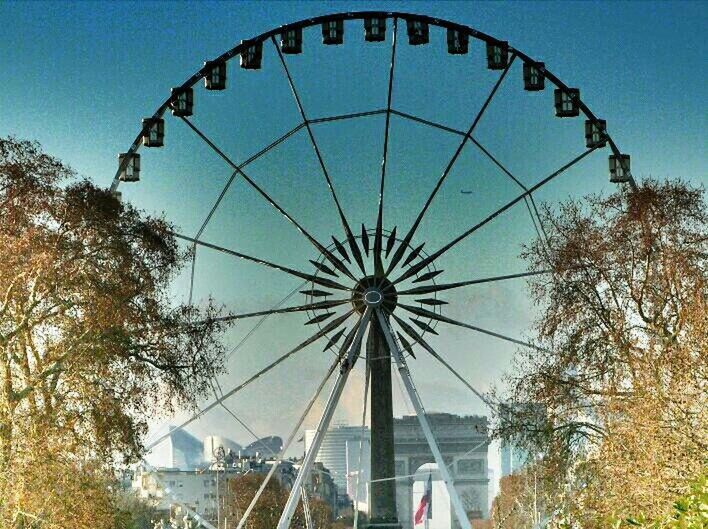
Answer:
x=463 y=442
x=339 y=452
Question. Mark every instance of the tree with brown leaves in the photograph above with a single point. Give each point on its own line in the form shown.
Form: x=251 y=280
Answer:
x=91 y=343
x=623 y=329
x=270 y=505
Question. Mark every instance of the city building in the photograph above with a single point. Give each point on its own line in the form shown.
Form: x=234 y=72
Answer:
x=513 y=414
x=339 y=452
x=212 y=444
x=463 y=442
x=166 y=487
x=181 y=450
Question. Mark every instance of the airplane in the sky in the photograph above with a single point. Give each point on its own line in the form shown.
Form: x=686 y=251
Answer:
x=464 y=192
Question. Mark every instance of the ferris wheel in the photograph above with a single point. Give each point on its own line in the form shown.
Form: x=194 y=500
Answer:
x=370 y=292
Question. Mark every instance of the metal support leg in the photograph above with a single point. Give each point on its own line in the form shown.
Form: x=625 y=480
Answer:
x=420 y=412
x=306 y=509
x=340 y=382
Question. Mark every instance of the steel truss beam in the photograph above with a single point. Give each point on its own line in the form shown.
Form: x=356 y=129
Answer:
x=287 y=444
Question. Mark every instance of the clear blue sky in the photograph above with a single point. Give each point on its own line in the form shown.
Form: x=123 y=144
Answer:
x=79 y=76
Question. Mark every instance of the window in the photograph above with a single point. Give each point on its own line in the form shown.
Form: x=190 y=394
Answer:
x=417 y=32
x=375 y=29
x=567 y=102
x=595 y=133
x=497 y=55
x=129 y=162
x=215 y=78
x=182 y=101
x=457 y=42
x=533 y=77
x=619 y=168
x=333 y=32
x=291 y=41
x=251 y=56
x=155 y=132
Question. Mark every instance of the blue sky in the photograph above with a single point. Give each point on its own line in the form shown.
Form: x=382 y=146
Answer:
x=78 y=77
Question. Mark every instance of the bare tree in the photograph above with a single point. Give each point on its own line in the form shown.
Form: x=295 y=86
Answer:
x=621 y=374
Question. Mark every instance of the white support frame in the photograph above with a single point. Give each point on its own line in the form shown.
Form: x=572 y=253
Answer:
x=460 y=513
x=323 y=426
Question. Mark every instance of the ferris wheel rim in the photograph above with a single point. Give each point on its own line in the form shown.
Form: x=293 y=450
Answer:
x=425 y=260
x=361 y=15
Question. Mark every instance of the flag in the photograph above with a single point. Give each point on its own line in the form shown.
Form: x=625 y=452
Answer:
x=424 y=507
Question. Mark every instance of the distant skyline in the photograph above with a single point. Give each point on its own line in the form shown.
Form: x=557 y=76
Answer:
x=79 y=76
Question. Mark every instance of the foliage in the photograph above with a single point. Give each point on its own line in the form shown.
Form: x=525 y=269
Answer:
x=271 y=503
x=523 y=499
x=621 y=372
x=134 y=512
x=690 y=511
x=91 y=343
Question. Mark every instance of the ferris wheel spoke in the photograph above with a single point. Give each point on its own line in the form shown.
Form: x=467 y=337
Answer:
x=319 y=334
x=429 y=289
x=425 y=313
x=412 y=334
x=540 y=222
x=320 y=159
x=285 y=310
x=329 y=255
x=529 y=201
x=432 y=257
x=378 y=236
x=398 y=255
x=302 y=275
x=416 y=336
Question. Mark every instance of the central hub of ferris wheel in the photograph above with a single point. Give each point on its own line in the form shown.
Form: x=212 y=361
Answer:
x=373 y=291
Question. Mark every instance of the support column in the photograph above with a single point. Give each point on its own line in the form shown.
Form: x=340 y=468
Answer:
x=382 y=498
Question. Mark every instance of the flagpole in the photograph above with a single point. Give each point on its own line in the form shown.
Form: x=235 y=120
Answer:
x=429 y=510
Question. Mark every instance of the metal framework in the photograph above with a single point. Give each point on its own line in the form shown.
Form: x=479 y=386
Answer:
x=384 y=279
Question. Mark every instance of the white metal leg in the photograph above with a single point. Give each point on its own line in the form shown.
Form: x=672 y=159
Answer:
x=460 y=513
x=306 y=509
x=336 y=393
x=287 y=444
